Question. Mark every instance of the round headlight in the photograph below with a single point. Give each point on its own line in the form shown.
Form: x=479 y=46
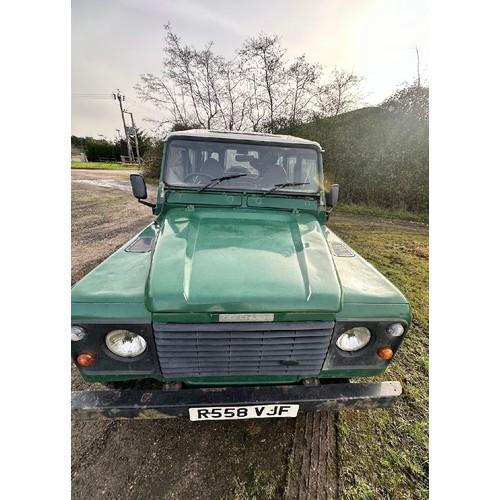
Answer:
x=396 y=330
x=354 y=339
x=78 y=333
x=124 y=343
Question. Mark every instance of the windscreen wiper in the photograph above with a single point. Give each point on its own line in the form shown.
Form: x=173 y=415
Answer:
x=285 y=184
x=218 y=180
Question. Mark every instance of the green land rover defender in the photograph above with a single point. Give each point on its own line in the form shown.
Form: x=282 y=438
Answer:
x=237 y=301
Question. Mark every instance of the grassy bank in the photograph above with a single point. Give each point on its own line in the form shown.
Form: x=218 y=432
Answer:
x=365 y=210
x=384 y=453
x=102 y=166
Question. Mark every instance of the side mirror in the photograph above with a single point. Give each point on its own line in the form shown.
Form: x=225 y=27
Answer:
x=332 y=197
x=140 y=191
x=138 y=186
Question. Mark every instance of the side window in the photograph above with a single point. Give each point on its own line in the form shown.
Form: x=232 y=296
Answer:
x=192 y=160
x=240 y=162
x=181 y=162
x=176 y=155
x=205 y=155
x=302 y=169
x=177 y=164
x=308 y=170
x=292 y=171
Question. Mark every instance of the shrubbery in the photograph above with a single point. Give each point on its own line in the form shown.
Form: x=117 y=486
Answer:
x=380 y=155
x=152 y=161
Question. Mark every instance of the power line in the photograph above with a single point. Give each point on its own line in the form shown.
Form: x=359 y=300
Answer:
x=92 y=96
x=143 y=106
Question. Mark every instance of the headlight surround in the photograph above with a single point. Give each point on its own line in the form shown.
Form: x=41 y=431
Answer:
x=354 y=339
x=395 y=329
x=78 y=333
x=125 y=343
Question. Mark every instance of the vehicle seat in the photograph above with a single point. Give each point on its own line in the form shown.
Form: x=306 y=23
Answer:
x=275 y=174
x=212 y=168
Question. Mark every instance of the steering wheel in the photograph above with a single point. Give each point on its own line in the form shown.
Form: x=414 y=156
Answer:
x=196 y=174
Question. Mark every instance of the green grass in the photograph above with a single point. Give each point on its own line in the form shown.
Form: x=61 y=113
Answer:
x=365 y=210
x=262 y=486
x=383 y=453
x=102 y=166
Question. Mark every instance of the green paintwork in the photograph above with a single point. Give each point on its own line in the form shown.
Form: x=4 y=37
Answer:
x=109 y=293
x=242 y=380
x=361 y=282
x=270 y=261
x=282 y=203
x=189 y=198
x=237 y=252
x=220 y=260
x=246 y=200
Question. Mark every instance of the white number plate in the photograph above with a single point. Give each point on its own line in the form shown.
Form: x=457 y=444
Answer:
x=243 y=412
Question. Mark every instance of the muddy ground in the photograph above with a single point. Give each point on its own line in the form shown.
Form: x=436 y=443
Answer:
x=179 y=459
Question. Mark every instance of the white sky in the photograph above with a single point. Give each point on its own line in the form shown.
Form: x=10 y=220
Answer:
x=114 y=41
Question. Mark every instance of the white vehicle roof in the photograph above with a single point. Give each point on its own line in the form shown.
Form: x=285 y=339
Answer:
x=232 y=135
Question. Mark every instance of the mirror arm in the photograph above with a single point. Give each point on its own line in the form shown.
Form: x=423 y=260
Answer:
x=148 y=204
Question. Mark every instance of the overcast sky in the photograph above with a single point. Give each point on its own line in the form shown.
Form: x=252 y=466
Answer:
x=115 y=41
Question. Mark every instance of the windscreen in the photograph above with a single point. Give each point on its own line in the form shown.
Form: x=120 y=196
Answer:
x=234 y=166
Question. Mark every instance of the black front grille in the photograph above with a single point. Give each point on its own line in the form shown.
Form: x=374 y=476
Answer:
x=222 y=349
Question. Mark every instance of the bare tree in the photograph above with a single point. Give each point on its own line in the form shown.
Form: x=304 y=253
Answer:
x=253 y=108
x=263 y=60
x=206 y=74
x=259 y=89
x=231 y=96
x=190 y=83
x=418 y=68
x=160 y=92
x=340 y=94
x=302 y=78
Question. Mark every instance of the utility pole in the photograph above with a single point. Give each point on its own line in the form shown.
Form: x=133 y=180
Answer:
x=139 y=161
x=121 y=98
x=418 y=68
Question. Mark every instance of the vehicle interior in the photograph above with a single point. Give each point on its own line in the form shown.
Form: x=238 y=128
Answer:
x=230 y=165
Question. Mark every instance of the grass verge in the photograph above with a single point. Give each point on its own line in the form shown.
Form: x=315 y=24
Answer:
x=365 y=210
x=383 y=453
x=102 y=166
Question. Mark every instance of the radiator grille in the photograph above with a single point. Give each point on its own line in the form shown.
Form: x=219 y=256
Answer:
x=215 y=349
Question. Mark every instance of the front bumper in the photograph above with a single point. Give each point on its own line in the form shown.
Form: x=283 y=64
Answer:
x=139 y=404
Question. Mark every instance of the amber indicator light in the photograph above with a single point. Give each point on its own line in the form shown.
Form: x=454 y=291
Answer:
x=385 y=352
x=86 y=358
